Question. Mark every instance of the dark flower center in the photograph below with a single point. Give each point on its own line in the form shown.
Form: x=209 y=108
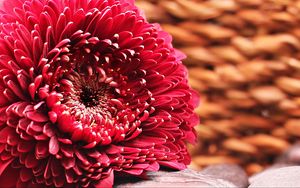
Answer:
x=90 y=97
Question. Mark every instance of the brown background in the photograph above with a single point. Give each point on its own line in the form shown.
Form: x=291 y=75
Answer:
x=243 y=57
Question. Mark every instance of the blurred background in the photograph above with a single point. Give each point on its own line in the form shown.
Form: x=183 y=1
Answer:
x=243 y=57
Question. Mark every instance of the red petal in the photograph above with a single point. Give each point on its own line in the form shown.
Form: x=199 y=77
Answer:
x=41 y=150
x=153 y=166
x=90 y=145
x=37 y=116
x=52 y=116
x=134 y=171
x=8 y=177
x=20 y=108
x=25 y=174
x=104 y=159
x=31 y=161
x=95 y=154
x=141 y=166
x=68 y=163
x=113 y=149
x=65 y=141
x=24 y=146
x=70 y=176
x=67 y=151
x=16 y=89
x=107 y=182
x=4 y=165
x=82 y=157
x=59 y=181
x=48 y=131
x=77 y=134
x=32 y=90
x=52 y=99
x=66 y=123
x=175 y=165
x=53 y=145
x=56 y=168
x=4 y=133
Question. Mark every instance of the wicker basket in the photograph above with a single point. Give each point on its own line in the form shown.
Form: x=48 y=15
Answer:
x=243 y=57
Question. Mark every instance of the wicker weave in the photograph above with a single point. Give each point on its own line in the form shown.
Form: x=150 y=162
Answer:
x=243 y=57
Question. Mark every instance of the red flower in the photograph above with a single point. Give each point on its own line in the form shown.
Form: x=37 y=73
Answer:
x=88 y=88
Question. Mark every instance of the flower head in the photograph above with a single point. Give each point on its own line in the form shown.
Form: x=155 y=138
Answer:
x=88 y=88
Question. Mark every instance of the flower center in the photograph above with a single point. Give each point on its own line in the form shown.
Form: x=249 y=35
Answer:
x=99 y=105
x=90 y=97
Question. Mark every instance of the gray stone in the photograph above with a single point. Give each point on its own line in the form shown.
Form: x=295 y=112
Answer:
x=215 y=176
x=231 y=173
x=291 y=156
x=277 y=177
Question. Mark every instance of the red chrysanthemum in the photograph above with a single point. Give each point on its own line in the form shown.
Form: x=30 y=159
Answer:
x=88 y=88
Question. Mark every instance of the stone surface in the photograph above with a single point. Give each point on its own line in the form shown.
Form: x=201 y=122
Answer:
x=231 y=173
x=277 y=177
x=291 y=156
x=214 y=176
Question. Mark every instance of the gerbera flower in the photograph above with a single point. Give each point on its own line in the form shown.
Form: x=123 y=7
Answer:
x=88 y=88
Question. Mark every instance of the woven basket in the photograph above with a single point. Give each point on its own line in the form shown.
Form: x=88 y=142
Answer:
x=243 y=57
